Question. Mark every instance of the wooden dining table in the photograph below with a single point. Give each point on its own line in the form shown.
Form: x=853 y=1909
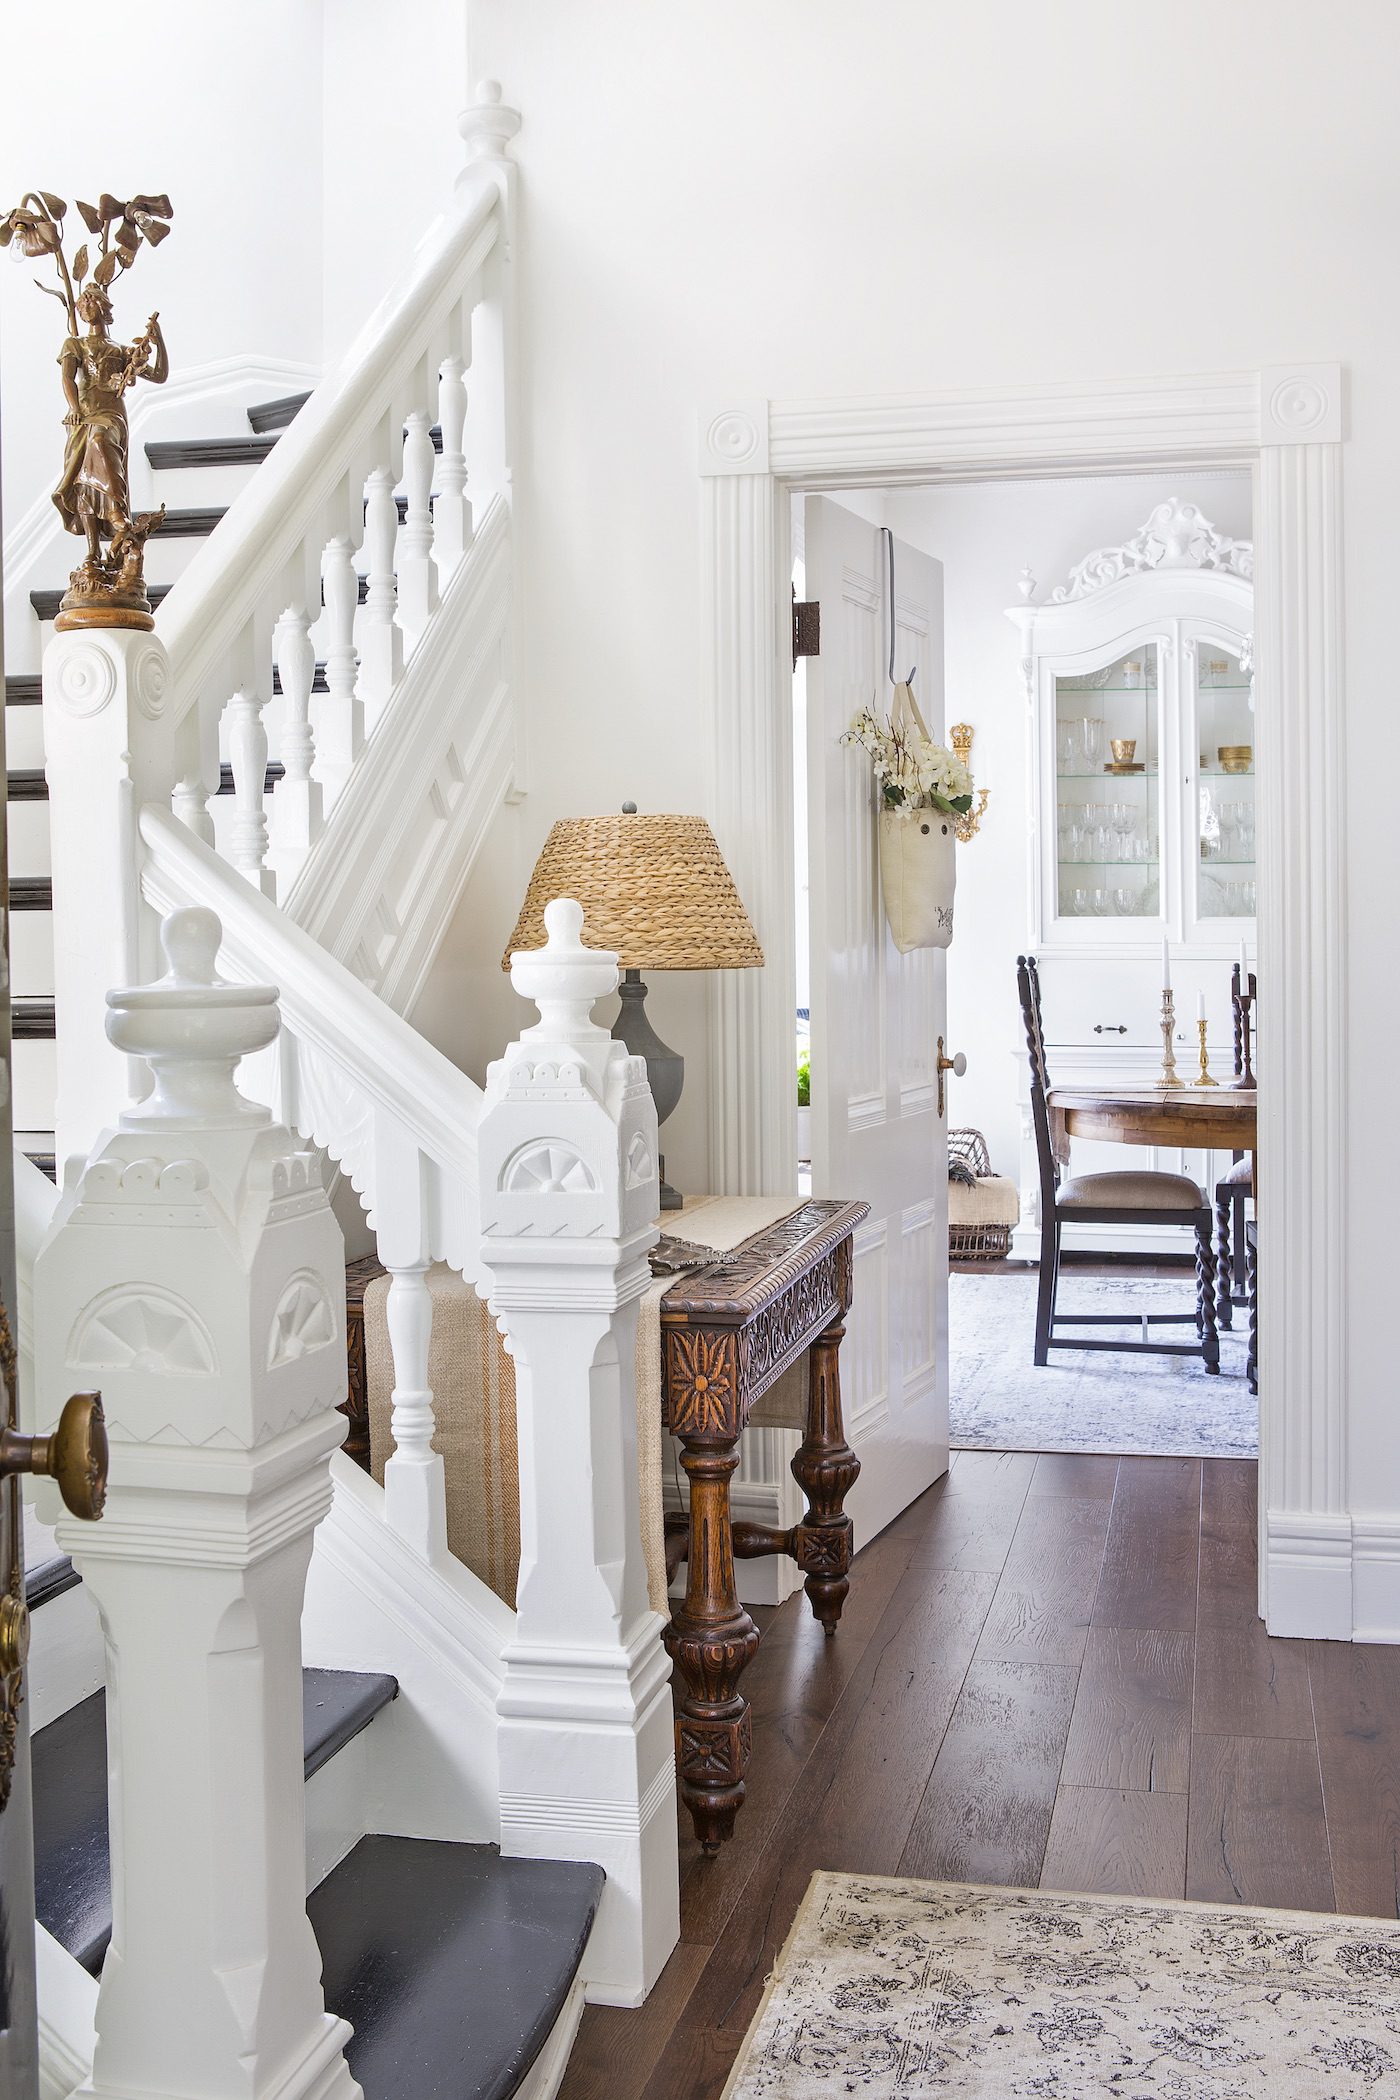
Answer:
x=1214 y=1119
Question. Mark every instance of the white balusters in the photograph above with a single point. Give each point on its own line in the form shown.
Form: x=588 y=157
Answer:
x=381 y=638
x=418 y=580
x=452 y=515
x=190 y=801
x=247 y=748
x=415 y=1498
x=202 y=1231
x=340 y=723
x=296 y=806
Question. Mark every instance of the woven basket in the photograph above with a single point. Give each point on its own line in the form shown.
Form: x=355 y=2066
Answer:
x=980 y=1234
x=654 y=888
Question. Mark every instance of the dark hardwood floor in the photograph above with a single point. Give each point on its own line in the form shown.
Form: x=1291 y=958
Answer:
x=1051 y=1672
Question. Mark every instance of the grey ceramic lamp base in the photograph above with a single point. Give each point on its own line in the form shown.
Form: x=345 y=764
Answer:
x=665 y=1067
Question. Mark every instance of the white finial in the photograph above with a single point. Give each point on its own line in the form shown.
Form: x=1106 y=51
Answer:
x=564 y=978
x=192 y=1027
x=488 y=125
x=1025 y=583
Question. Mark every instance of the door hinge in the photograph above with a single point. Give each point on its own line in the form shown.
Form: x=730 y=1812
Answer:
x=806 y=627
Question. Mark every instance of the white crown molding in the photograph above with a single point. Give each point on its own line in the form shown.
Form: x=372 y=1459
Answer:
x=1177 y=535
x=734 y=439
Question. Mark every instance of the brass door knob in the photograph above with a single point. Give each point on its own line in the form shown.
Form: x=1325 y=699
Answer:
x=74 y=1455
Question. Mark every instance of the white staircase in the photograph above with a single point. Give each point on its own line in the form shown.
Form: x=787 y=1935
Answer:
x=341 y=644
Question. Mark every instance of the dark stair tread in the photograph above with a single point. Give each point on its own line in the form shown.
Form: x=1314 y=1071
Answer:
x=276 y=415
x=72 y=1871
x=32 y=1020
x=190 y=524
x=172 y=453
x=46 y=1162
x=49 y=1578
x=451 y=1963
x=31 y=893
x=27 y=784
x=46 y=603
x=24 y=689
x=275 y=770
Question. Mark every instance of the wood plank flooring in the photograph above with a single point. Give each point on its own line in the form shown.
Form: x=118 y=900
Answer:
x=1051 y=1672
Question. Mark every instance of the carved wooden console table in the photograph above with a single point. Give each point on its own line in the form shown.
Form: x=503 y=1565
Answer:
x=728 y=1332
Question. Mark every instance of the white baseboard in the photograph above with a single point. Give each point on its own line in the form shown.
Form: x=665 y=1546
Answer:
x=1155 y=1240
x=546 y=2074
x=1375 y=1579
x=1333 y=1578
x=67 y=2018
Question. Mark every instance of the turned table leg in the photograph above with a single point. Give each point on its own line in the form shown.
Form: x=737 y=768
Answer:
x=711 y=1640
x=825 y=1468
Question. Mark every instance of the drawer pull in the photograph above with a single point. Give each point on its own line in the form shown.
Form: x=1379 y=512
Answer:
x=1110 y=1028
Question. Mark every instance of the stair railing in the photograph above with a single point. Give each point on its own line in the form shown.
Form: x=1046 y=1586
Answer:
x=341 y=544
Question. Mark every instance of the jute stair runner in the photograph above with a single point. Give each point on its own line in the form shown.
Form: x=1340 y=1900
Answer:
x=473 y=1384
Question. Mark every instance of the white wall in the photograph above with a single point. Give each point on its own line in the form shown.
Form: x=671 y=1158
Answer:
x=985 y=534
x=219 y=106
x=722 y=201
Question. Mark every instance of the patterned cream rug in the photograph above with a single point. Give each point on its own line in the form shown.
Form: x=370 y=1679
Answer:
x=901 y=1988
x=1090 y=1399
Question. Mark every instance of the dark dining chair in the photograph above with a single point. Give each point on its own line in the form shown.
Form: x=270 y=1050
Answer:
x=1128 y=1197
x=1233 y=1190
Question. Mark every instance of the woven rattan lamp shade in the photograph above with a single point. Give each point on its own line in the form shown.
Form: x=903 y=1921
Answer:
x=655 y=888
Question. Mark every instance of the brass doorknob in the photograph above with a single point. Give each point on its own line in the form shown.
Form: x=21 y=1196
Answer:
x=74 y=1455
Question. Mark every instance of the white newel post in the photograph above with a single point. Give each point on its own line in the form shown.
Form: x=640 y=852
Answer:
x=567 y=1156
x=195 y=1273
x=109 y=747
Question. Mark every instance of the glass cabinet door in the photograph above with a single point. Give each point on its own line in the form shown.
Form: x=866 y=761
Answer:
x=1108 y=809
x=1224 y=874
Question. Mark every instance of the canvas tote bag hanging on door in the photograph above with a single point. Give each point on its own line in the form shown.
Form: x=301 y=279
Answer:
x=918 y=856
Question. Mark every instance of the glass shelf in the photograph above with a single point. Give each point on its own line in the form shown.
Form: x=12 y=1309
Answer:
x=1145 y=865
x=1211 y=860
x=1224 y=773
x=1150 y=773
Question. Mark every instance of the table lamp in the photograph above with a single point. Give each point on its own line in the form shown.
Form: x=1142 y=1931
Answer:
x=655 y=889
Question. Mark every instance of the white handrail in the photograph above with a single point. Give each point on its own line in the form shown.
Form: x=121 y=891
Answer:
x=381 y=1056
x=280 y=510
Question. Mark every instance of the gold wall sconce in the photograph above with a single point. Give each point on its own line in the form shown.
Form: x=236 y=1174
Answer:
x=967 y=825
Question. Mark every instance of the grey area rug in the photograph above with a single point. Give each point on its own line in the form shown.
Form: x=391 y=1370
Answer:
x=897 y=1988
x=1090 y=1400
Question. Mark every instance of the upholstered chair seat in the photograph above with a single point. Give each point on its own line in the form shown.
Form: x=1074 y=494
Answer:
x=1129 y=1191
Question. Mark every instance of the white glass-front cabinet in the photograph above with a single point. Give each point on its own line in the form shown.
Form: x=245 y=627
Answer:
x=1137 y=676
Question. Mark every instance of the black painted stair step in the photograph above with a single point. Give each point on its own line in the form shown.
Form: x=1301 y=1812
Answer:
x=191 y=524
x=172 y=453
x=27 y=784
x=72 y=1869
x=46 y=603
x=49 y=1578
x=451 y=1963
x=24 y=689
x=32 y=1020
x=31 y=893
x=46 y=1162
x=276 y=415
x=275 y=770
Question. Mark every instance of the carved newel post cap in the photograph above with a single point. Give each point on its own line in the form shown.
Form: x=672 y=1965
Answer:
x=564 y=978
x=192 y=1027
x=487 y=126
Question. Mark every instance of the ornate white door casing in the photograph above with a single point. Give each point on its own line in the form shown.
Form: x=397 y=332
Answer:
x=1288 y=418
x=876 y=1019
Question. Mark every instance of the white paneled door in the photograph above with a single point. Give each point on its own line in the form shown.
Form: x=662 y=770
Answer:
x=877 y=1017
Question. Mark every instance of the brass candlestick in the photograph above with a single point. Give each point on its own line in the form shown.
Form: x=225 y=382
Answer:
x=1168 y=1077
x=1205 y=1078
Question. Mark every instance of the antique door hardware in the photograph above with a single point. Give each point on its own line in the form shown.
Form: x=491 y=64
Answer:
x=957 y=1065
